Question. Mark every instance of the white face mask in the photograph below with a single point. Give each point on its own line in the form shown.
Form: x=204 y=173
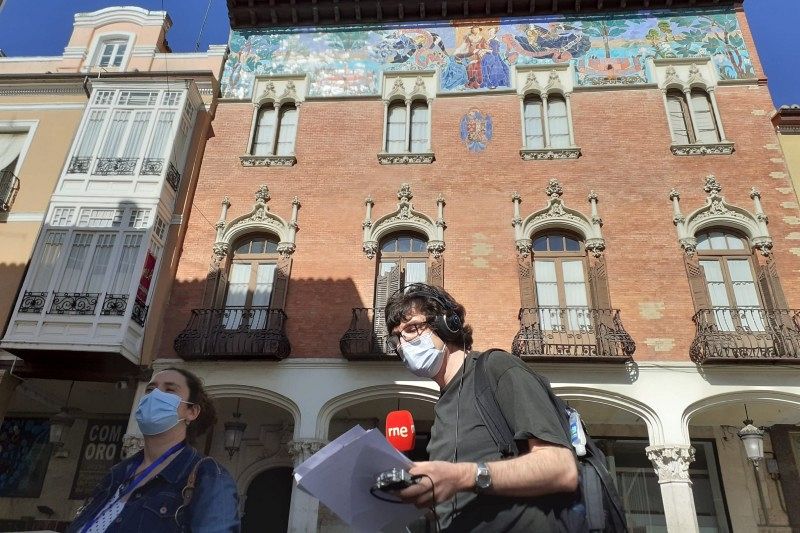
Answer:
x=421 y=357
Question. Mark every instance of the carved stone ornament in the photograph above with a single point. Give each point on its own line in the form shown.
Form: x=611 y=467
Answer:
x=131 y=444
x=300 y=450
x=553 y=81
x=716 y=212
x=385 y=158
x=671 y=463
x=260 y=218
x=289 y=92
x=695 y=76
x=531 y=84
x=397 y=88
x=672 y=77
x=419 y=86
x=220 y=250
x=543 y=154
x=269 y=91
x=557 y=215
x=267 y=160
x=404 y=218
x=724 y=148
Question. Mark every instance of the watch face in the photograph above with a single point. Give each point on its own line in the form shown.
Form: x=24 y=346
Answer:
x=483 y=480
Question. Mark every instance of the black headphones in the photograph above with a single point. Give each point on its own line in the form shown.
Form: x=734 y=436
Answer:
x=448 y=325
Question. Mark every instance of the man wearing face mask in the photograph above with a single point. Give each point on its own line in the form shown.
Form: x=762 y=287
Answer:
x=472 y=488
x=168 y=486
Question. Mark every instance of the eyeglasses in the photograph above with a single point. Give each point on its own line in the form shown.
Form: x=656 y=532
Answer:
x=407 y=334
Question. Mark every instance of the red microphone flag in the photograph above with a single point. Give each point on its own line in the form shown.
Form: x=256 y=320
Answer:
x=400 y=430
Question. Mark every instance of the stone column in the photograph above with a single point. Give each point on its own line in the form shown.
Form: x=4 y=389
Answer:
x=8 y=384
x=133 y=441
x=303 y=509
x=671 y=463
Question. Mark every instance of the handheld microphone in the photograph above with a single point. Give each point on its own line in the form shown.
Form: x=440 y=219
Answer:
x=400 y=430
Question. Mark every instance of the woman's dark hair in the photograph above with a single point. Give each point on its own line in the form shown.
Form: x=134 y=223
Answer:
x=198 y=396
x=433 y=302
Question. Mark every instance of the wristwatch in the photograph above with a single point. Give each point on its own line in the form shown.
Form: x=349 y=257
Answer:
x=483 y=478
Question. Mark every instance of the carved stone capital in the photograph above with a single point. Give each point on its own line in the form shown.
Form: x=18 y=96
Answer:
x=689 y=245
x=595 y=246
x=131 y=444
x=674 y=194
x=219 y=251
x=406 y=159
x=300 y=450
x=540 y=154
x=286 y=248
x=267 y=160
x=523 y=247
x=755 y=193
x=370 y=249
x=671 y=463
x=436 y=248
x=763 y=245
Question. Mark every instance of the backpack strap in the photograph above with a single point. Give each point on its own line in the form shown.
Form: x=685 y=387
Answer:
x=489 y=409
x=188 y=489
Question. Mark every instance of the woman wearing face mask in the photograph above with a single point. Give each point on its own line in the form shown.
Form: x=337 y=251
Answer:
x=168 y=486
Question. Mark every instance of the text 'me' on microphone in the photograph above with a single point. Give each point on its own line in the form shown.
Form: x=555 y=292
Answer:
x=400 y=430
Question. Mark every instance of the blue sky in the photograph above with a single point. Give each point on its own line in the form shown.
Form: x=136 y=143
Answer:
x=773 y=23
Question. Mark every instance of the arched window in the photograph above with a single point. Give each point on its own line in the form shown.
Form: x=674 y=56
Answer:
x=275 y=131
x=727 y=264
x=402 y=260
x=396 y=128
x=250 y=281
x=419 y=127
x=534 y=125
x=557 y=122
x=703 y=129
x=560 y=270
x=404 y=135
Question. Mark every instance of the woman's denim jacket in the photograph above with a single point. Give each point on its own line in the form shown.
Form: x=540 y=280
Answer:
x=156 y=506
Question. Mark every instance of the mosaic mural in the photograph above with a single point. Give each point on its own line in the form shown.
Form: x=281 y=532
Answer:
x=476 y=130
x=605 y=51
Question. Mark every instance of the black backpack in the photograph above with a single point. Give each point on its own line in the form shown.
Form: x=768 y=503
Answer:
x=597 y=506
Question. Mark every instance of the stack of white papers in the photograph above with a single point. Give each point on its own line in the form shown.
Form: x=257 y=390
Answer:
x=341 y=474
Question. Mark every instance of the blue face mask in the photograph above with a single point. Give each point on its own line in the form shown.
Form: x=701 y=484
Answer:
x=422 y=357
x=158 y=412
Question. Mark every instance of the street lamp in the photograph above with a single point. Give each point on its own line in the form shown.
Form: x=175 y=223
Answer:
x=752 y=439
x=234 y=430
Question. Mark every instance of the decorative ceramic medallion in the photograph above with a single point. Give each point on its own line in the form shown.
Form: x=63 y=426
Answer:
x=476 y=130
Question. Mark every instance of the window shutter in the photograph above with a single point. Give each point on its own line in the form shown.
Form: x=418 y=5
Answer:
x=706 y=125
x=678 y=122
x=697 y=282
x=10 y=148
x=534 y=130
x=598 y=283
x=770 y=285
x=287 y=130
x=436 y=271
x=558 y=122
x=279 y=288
x=386 y=285
x=396 y=129
x=262 y=139
x=419 y=127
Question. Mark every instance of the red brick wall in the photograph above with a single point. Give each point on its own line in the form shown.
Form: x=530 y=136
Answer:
x=626 y=159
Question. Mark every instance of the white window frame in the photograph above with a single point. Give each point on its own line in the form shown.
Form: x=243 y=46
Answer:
x=96 y=51
x=277 y=108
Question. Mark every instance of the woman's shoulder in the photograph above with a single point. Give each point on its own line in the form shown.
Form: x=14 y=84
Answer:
x=209 y=467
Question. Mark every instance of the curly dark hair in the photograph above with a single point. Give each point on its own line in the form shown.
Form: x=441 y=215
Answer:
x=198 y=396
x=428 y=300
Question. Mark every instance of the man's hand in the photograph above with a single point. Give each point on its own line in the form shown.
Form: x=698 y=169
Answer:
x=447 y=478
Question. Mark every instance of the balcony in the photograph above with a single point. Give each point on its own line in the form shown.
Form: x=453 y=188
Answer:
x=365 y=340
x=572 y=334
x=115 y=166
x=234 y=333
x=728 y=334
x=9 y=185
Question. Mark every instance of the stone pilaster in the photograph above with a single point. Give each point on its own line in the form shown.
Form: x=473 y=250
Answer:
x=304 y=509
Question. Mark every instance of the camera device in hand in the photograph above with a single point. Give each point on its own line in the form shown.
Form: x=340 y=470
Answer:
x=394 y=479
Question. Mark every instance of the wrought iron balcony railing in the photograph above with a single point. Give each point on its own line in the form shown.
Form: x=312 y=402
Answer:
x=173 y=177
x=119 y=166
x=139 y=313
x=73 y=303
x=152 y=167
x=114 y=304
x=730 y=333
x=234 y=333
x=572 y=333
x=32 y=302
x=79 y=165
x=366 y=337
x=9 y=185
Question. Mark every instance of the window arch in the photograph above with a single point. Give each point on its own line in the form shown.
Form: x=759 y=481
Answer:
x=250 y=281
x=275 y=129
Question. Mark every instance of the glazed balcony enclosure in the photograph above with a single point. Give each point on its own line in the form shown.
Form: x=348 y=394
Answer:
x=234 y=333
x=730 y=334
x=572 y=334
x=365 y=339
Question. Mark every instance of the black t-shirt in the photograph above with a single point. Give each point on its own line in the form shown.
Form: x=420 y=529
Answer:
x=459 y=435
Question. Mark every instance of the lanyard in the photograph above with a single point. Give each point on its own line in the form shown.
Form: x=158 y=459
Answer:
x=122 y=492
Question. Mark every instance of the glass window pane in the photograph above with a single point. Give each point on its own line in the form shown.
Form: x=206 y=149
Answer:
x=556 y=243
x=243 y=248
x=418 y=245
x=540 y=244
x=702 y=242
x=572 y=245
x=51 y=251
x=99 y=265
x=287 y=130
x=404 y=244
x=76 y=260
x=396 y=128
x=389 y=245
x=419 y=127
x=534 y=129
x=270 y=246
x=262 y=138
x=416 y=272
x=127 y=261
x=557 y=122
x=257 y=246
x=718 y=240
x=735 y=243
